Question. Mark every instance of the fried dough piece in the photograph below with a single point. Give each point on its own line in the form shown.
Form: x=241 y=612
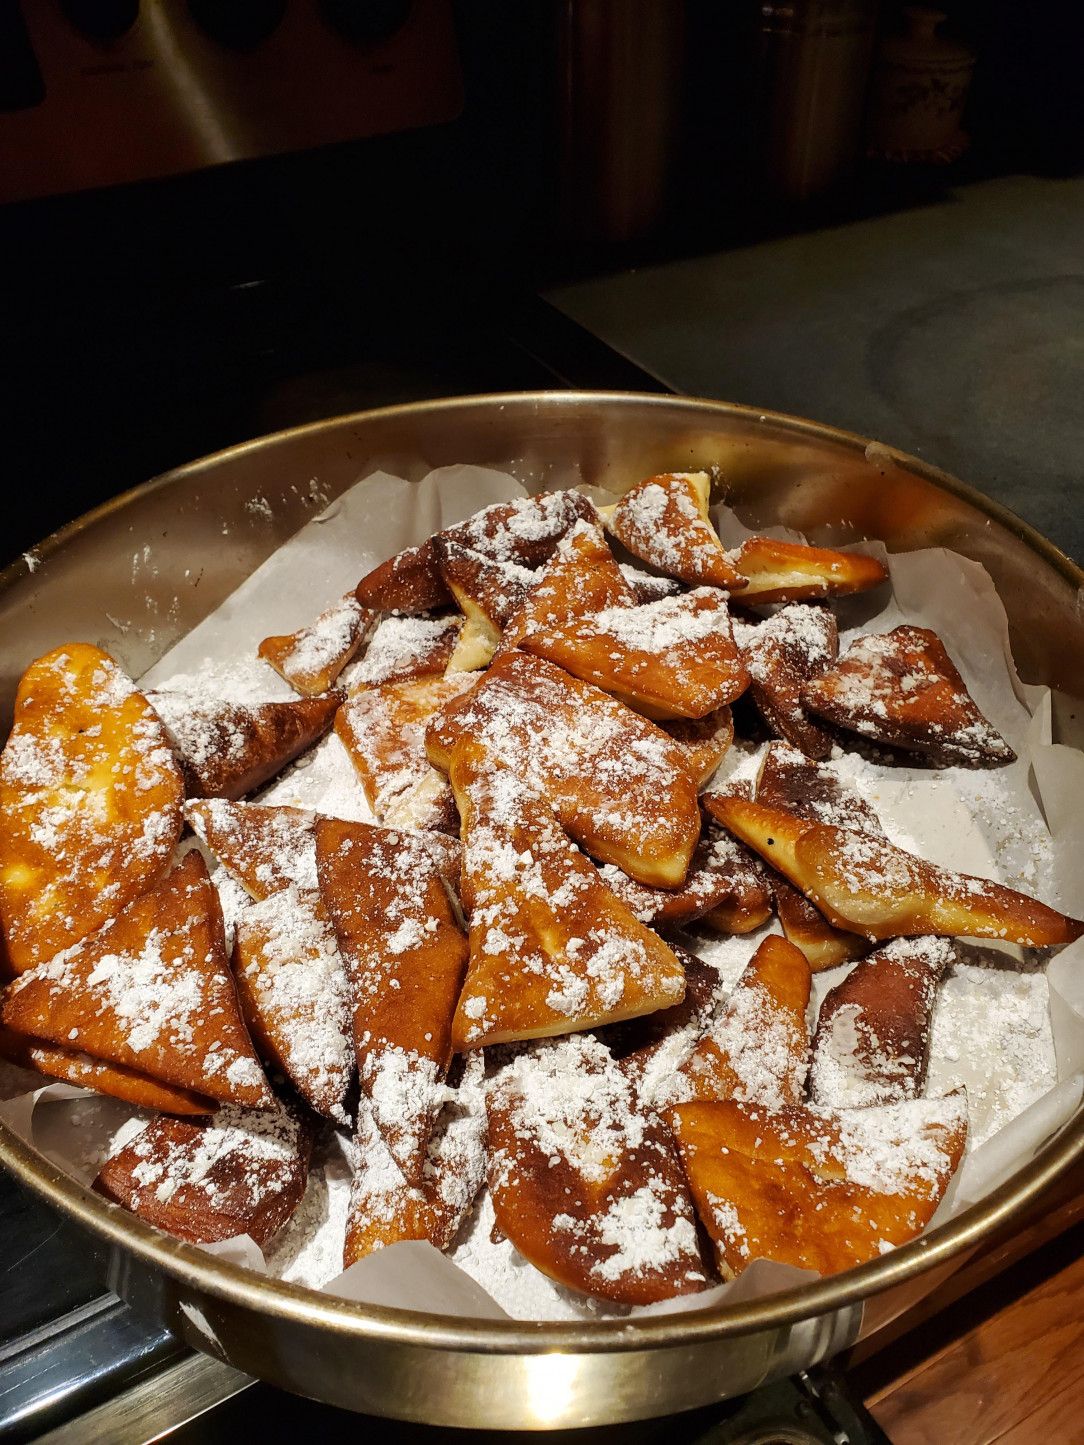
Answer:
x=790 y=780
x=817 y=1189
x=408 y=582
x=671 y=659
x=799 y=643
x=758 y=1048
x=705 y=741
x=241 y=1172
x=552 y=950
x=406 y=956
x=383 y=731
x=523 y=531
x=869 y=886
x=873 y=1030
x=725 y=884
x=618 y=784
x=405 y=647
x=385 y=1209
x=292 y=984
x=794 y=572
x=584 y=1181
x=488 y=593
x=526 y=530
x=311 y=659
x=902 y=688
x=80 y=1069
x=228 y=749
x=664 y=521
x=90 y=802
x=580 y=578
x=263 y=847
x=150 y=990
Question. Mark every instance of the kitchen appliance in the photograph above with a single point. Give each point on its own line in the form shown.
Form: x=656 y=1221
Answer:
x=833 y=486
x=99 y=92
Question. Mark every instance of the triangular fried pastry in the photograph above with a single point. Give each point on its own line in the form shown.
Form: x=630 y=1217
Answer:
x=404 y=647
x=488 y=593
x=408 y=582
x=81 y=1070
x=618 y=784
x=383 y=731
x=647 y=586
x=817 y=1189
x=90 y=802
x=552 y=950
x=227 y=749
x=757 y=1049
x=584 y=1181
x=799 y=643
x=866 y=884
x=794 y=572
x=240 y=1172
x=397 y=929
x=873 y=1029
x=311 y=659
x=150 y=990
x=524 y=531
x=792 y=781
x=902 y=688
x=263 y=847
x=705 y=741
x=724 y=882
x=671 y=659
x=580 y=578
x=292 y=984
x=664 y=521
x=385 y=1209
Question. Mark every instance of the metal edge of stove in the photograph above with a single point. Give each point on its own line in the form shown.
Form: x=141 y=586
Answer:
x=73 y=1362
x=156 y=1407
x=813 y=1407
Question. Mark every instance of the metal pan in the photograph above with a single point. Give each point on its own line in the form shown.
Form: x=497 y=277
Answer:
x=205 y=527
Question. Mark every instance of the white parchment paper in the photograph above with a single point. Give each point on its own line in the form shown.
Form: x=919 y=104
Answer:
x=1023 y=825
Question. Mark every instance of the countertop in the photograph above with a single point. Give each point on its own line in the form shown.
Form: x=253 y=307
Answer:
x=954 y=331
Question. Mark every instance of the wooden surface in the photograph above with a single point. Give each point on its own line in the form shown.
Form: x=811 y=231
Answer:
x=1005 y=1363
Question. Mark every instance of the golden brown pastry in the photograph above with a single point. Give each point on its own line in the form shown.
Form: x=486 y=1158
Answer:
x=90 y=802
x=150 y=990
x=664 y=521
x=822 y=1190
x=311 y=659
x=869 y=886
x=552 y=949
x=584 y=1180
x=227 y=749
x=617 y=783
x=792 y=572
x=902 y=688
x=240 y=1172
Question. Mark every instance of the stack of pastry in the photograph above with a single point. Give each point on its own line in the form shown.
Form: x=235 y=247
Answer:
x=485 y=985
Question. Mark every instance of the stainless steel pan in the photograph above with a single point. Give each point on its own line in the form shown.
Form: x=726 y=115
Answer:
x=92 y=580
